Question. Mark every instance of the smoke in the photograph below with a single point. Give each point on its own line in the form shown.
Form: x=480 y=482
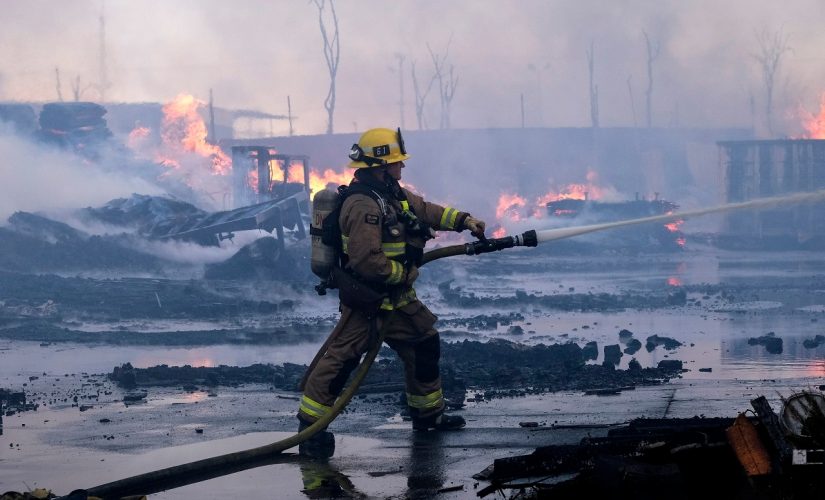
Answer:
x=34 y=178
x=194 y=254
x=704 y=75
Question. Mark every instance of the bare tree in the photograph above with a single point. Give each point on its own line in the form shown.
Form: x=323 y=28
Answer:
x=401 y=58
x=594 y=89
x=538 y=70
x=772 y=46
x=653 y=49
x=632 y=100
x=420 y=97
x=57 y=81
x=447 y=82
x=77 y=91
x=332 y=54
x=104 y=84
x=289 y=115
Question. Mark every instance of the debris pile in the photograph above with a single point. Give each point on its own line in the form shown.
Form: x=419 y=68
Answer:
x=19 y=117
x=494 y=369
x=764 y=457
x=77 y=125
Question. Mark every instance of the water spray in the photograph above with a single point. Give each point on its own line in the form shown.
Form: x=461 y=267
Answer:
x=568 y=232
x=532 y=238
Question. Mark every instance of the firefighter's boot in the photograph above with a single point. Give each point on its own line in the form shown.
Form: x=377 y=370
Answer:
x=320 y=446
x=438 y=422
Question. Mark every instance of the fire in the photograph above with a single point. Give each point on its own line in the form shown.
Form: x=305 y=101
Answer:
x=674 y=226
x=570 y=192
x=252 y=180
x=514 y=207
x=137 y=137
x=814 y=125
x=500 y=233
x=183 y=129
x=674 y=281
x=320 y=181
x=509 y=205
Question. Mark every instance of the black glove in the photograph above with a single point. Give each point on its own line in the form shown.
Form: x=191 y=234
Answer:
x=412 y=275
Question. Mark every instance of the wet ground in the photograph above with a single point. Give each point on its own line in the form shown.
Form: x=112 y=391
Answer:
x=724 y=299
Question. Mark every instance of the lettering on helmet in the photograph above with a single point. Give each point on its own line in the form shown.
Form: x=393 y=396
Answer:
x=382 y=150
x=371 y=219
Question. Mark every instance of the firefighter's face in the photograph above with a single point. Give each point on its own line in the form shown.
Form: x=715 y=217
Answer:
x=394 y=170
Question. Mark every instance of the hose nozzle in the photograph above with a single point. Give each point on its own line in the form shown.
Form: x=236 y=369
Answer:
x=526 y=239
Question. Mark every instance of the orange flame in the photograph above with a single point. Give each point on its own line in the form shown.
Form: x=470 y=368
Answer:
x=320 y=181
x=252 y=180
x=184 y=129
x=509 y=205
x=137 y=137
x=674 y=281
x=674 y=226
x=814 y=125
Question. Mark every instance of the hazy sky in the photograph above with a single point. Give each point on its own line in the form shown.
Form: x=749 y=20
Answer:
x=253 y=53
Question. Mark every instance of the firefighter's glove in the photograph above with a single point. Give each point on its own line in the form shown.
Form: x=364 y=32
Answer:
x=476 y=226
x=412 y=275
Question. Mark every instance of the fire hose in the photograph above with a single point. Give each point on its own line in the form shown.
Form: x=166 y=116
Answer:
x=201 y=470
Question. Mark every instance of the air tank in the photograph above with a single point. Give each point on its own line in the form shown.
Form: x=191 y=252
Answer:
x=323 y=256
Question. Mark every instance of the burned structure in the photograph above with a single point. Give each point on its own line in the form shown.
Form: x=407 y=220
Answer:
x=270 y=192
x=587 y=211
x=767 y=168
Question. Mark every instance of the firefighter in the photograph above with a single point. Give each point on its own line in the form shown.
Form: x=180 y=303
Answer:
x=384 y=228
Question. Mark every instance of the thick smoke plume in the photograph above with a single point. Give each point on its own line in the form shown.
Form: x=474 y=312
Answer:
x=37 y=178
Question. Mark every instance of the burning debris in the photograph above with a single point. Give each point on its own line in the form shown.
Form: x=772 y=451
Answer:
x=663 y=236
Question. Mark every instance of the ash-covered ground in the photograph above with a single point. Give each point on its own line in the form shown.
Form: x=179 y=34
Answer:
x=142 y=364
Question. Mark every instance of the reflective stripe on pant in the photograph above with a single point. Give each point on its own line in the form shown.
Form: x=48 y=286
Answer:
x=411 y=335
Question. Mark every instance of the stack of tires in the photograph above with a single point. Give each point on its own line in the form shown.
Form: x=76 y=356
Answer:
x=19 y=118
x=79 y=125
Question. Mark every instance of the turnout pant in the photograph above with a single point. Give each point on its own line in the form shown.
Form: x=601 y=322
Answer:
x=410 y=334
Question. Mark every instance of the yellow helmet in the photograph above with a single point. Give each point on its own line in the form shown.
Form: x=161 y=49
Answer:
x=378 y=147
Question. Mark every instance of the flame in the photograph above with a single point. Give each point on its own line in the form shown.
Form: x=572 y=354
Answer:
x=674 y=281
x=814 y=125
x=514 y=207
x=137 y=137
x=674 y=226
x=500 y=233
x=252 y=180
x=183 y=129
x=319 y=181
x=183 y=150
x=509 y=205
x=681 y=241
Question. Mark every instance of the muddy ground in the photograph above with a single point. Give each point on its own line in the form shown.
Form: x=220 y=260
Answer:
x=568 y=344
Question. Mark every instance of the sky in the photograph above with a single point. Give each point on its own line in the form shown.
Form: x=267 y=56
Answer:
x=255 y=53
